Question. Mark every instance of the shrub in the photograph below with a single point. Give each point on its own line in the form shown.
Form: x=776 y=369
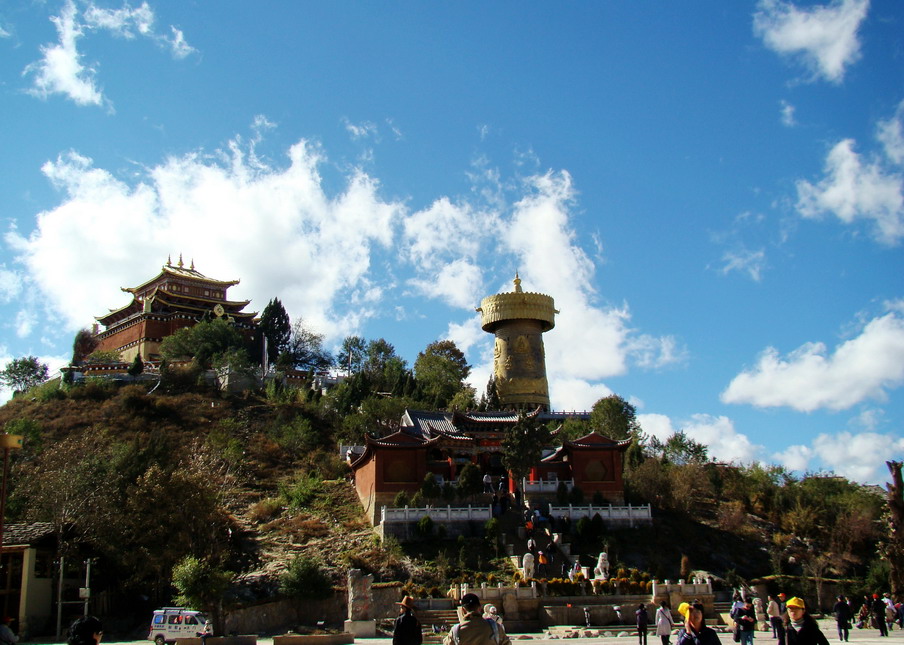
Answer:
x=576 y=496
x=417 y=500
x=401 y=500
x=304 y=578
x=562 y=493
x=265 y=510
x=425 y=526
x=300 y=492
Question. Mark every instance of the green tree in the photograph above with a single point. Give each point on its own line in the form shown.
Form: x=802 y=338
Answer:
x=21 y=374
x=305 y=349
x=201 y=342
x=892 y=546
x=104 y=356
x=523 y=446
x=276 y=328
x=614 y=417
x=440 y=370
x=201 y=584
x=382 y=363
x=470 y=481
x=430 y=488
x=463 y=399
x=137 y=366
x=351 y=355
x=492 y=395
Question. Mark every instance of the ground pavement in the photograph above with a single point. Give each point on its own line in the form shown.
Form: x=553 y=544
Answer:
x=858 y=636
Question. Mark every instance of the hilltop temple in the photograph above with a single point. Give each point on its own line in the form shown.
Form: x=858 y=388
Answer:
x=175 y=298
x=441 y=443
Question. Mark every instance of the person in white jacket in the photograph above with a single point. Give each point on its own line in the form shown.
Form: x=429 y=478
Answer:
x=664 y=622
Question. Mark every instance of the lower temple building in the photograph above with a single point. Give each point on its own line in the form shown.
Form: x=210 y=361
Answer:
x=442 y=443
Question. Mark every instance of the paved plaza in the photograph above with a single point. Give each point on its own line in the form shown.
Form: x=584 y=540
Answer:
x=859 y=636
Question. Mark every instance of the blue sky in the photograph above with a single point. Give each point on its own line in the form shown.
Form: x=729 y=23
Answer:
x=712 y=192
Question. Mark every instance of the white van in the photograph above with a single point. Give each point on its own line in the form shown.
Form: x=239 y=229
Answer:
x=171 y=623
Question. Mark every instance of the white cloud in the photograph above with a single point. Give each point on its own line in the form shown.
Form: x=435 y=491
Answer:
x=753 y=263
x=788 y=115
x=854 y=188
x=4 y=33
x=60 y=71
x=656 y=425
x=10 y=284
x=810 y=379
x=574 y=394
x=361 y=130
x=824 y=37
x=717 y=433
x=228 y=214
x=796 y=457
x=177 y=43
x=122 y=22
x=25 y=321
x=890 y=134
x=860 y=457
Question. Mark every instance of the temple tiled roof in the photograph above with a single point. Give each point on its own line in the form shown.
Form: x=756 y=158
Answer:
x=182 y=272
x=30 y=533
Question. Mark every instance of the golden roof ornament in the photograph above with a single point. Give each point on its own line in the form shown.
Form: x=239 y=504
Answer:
x=180 y=261
x=517 y=282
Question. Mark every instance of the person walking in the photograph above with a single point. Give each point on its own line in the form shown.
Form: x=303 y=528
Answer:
x=745 y=617
x=664 y=622
x=643 y=621
x=695 y=631
x=842 y=611
x=473 y=628
x=782 y=608
x=775 y=615
x=407 y=627
x=878 y=608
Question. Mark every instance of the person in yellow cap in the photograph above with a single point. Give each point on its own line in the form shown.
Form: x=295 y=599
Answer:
x=695 y=631
x=800 y=626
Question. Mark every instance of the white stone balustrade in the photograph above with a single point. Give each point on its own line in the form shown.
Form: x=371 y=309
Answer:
x=631 y=513
x=436 y=513
x=548 y=486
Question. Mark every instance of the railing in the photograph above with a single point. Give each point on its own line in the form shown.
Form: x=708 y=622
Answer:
x=632 y=513
x=436 y=513
x=693 y=587
x=548 y=486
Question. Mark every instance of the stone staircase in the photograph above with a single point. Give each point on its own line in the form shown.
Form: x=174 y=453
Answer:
x=436 y=623
x=511 y=523
x=722 y=611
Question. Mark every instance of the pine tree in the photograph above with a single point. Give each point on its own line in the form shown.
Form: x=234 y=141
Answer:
x=276 y=328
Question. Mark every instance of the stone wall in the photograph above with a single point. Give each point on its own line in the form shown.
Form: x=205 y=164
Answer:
x=281 y=616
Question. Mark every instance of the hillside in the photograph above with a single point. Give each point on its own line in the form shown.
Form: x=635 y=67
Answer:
x=261 y=483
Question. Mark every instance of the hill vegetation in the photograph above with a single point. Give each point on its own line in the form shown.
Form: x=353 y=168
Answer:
x=175 y=481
